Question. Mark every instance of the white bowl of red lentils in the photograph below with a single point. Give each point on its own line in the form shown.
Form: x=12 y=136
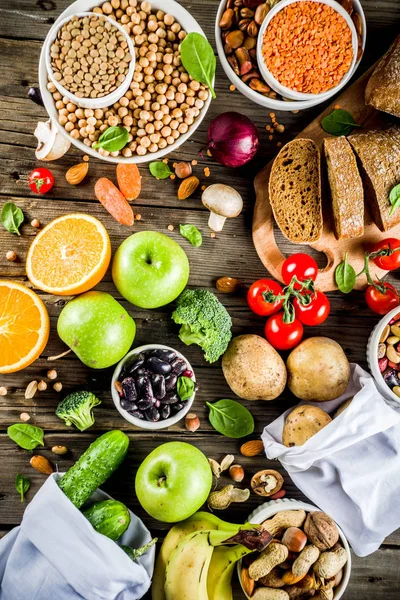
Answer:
x=307 y=48
x=163 y=105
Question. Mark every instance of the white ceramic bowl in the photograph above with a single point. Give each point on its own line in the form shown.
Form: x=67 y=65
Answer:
x=271 y=508
x=274 y=83
x=258 y=98
x=372 y=357
x=139 y=422
x=188 y=23
x=93 y=103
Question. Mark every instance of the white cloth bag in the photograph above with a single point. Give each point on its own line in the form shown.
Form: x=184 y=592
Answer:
x=351 y=468
x=55 y=554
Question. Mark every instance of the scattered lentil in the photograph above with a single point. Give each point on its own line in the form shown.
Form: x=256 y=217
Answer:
x=86 y=158
x=212 y=234
x=11 y=255
x=232 y=88
x=138 y=217
x=35 y=223
x=207 y=171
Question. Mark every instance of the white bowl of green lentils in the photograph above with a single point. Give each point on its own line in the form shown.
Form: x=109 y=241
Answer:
x=162 y=106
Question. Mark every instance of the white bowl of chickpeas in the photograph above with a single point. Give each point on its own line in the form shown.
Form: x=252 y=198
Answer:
x=163 y=105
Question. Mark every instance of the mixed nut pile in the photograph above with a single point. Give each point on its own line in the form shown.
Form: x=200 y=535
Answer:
x=90 y=57
x=305 y=559
x=163 y=100
x=389 y=354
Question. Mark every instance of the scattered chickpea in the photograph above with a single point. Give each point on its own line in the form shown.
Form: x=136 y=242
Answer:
x=35 y=223
x=170 y=227
x=58 y=386
x=212 y=234
x=42 y=386
x=138 y=217
x=3 y=391
x=11 y=256
x=52 y=374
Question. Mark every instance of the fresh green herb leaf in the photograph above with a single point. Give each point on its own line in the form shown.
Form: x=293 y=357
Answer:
x=135 y=553
x=345 y=276
x=113 y=139
x=191 y=233
x=231 y=418
x=185 y=388
x=160 y=170
x=26 y=436
x=199 y=60
x=12 y=217
x=22 y=485
x=394 y=198
x=339 y=122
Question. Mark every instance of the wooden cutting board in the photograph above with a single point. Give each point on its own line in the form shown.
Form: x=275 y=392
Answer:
x=263 y=221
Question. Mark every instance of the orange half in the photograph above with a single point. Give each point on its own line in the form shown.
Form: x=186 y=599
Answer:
x=69 y=256
x=24 y=326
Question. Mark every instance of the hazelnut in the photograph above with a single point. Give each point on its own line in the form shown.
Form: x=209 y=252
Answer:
x=57 y=386
x=266 y=483
x=236 y=473
x=52 y=374
x=192 y=422
x=42 y=386
x=183 y=170
x=294 y=539
x=11 y=255
x=321 y=530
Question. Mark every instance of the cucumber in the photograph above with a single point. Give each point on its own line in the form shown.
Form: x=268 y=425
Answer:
x=110 y=517
x=94 y=466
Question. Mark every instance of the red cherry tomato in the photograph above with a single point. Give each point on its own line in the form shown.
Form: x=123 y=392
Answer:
x=41 y=181
x=388 y=263
x=314 y=313
x=382 y=303
x=256 y=301
x=281 y=335
x=300 y=265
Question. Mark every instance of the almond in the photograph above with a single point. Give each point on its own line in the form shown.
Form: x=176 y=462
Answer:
x=41 y=464
x=248 y=584
x=76 y=174
x=252 y=448
x=188 y=187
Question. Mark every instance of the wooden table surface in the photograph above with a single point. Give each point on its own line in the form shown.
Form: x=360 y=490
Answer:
x=23 y=27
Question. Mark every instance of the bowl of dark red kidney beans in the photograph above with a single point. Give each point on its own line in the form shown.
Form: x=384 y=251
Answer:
x=153 y=386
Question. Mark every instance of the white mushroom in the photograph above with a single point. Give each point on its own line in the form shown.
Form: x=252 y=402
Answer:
x=51 y=143
x=223 y=202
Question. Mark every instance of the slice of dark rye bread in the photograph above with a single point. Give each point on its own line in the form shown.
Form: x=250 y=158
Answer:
x=383 y=87
x=295 y=191
x=380 y=166
x=346 y=188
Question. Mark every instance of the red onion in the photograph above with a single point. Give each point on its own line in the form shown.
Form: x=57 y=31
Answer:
x=233 y=139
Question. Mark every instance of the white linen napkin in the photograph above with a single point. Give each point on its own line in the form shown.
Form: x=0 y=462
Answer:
x=351 y=468
x=56 y=554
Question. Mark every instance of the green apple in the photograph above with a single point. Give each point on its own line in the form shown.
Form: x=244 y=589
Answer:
x=173 y=482
x=97 y=328
x=150 y=269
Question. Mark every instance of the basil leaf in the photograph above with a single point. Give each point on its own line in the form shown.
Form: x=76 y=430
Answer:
x=12 y=217
x=199 y=60
x=339 y=122
x=394 y=198
x=22 y=485
x=160 y=170
x=191 y=233
x=113 y=139
x=231 y=418
x=185 y=388
x=26 y=436
x=345 y=276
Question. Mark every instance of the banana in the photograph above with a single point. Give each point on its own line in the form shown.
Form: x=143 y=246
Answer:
x=187 y=568
x=220 y=571
x=197 y=522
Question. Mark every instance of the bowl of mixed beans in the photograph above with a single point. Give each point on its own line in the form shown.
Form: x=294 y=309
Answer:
x=383 y=355
x=162 y=105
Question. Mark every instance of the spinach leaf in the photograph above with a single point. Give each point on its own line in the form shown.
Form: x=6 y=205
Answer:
x=339 y=122
x=394 y=198
x=345 y=276
x=160 y=170
x=113 y=139
x=12 y=217
x=26 y=436
x=22 y=485
x=185 y=388
x=191 y=233
x=231 y=418
x=199 y=60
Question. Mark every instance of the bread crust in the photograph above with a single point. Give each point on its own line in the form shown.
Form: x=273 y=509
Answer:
x=383 y=87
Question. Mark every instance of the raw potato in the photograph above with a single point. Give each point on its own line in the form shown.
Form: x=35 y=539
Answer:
x=318 y=370
x=342 y=407
x=253 y=369
x=302 y=423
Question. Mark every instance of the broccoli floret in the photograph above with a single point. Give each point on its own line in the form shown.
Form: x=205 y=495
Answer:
x=76 y=409
x=204 y=321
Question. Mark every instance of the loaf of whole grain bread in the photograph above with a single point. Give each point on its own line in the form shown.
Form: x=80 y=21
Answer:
x=347 y=192
x=295 y=191
x=383 y=87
